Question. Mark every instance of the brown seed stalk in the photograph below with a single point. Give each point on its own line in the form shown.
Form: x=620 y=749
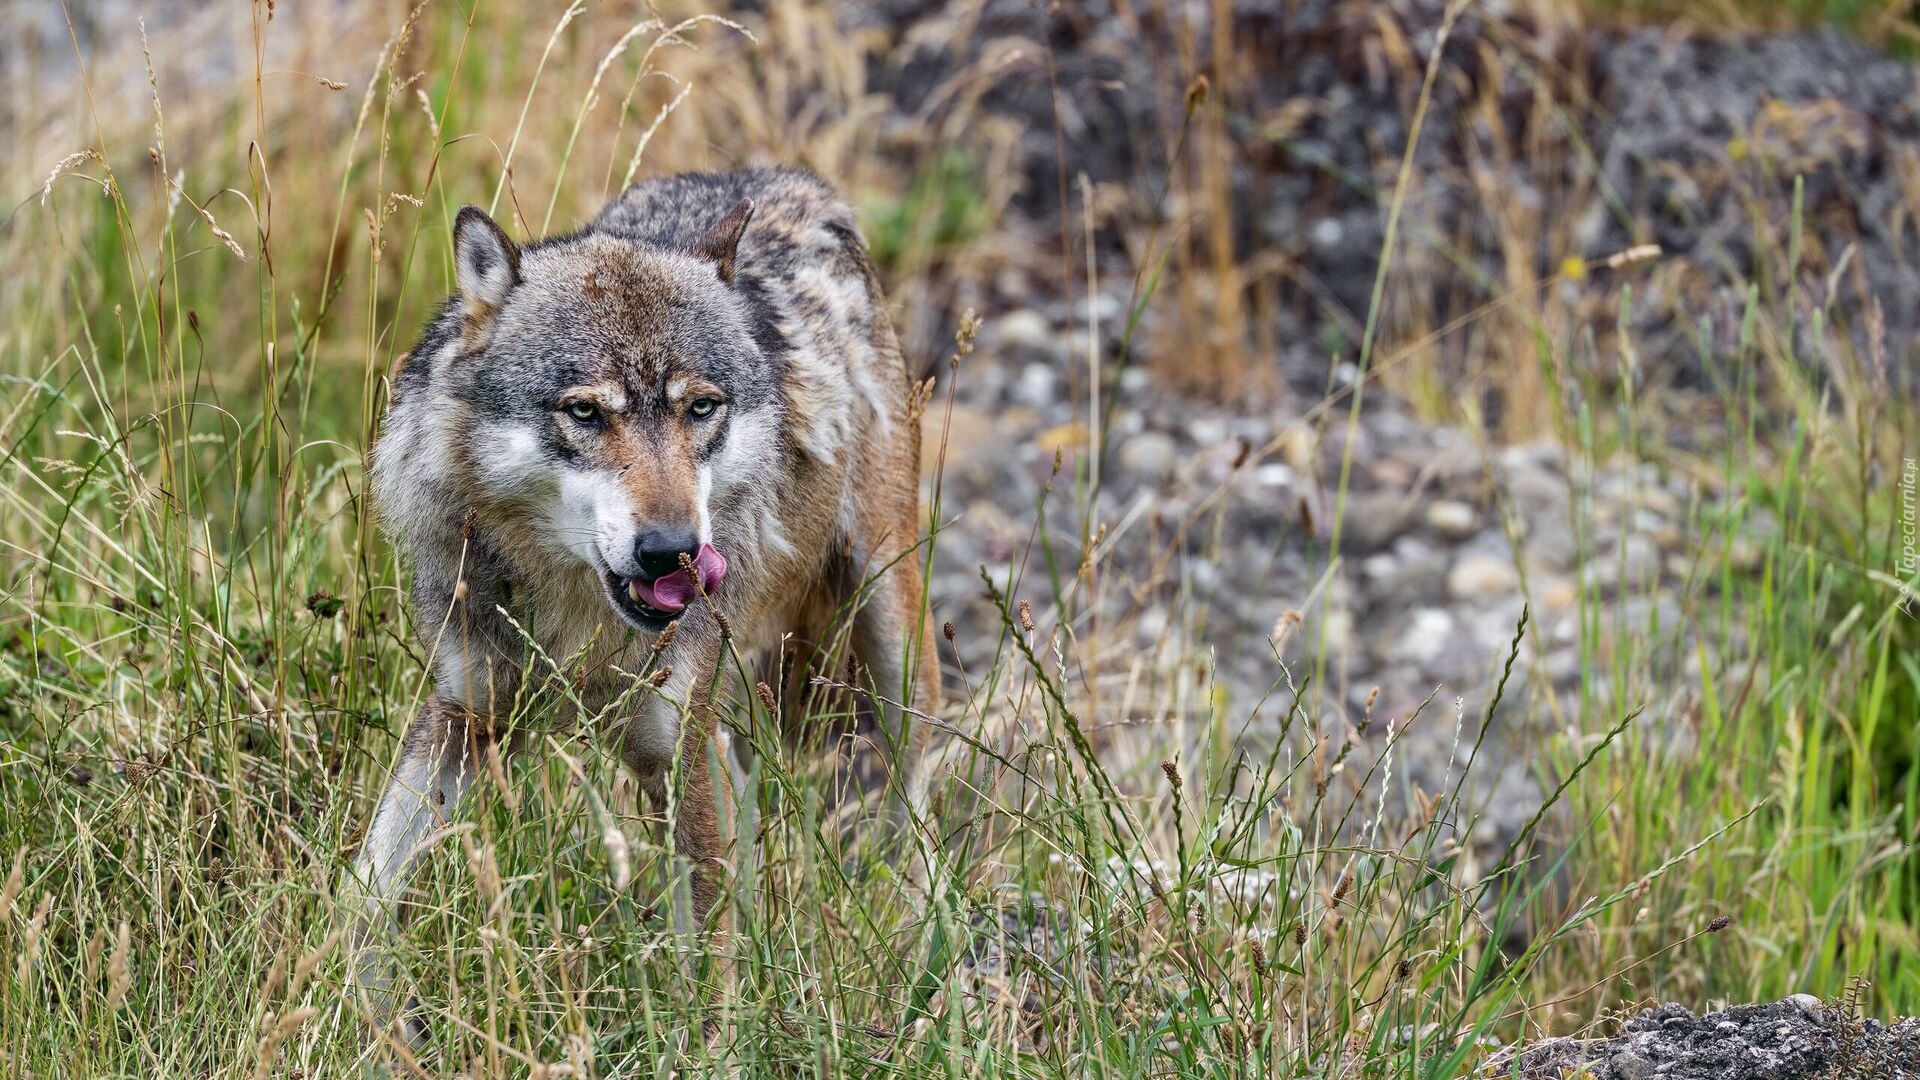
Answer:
x=1197 y=91
x=666 y=638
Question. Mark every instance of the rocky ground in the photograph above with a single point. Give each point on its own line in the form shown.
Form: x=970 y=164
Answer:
x=1444 y=541
x=1547 y=138
x=1800 y=1038
x=1220 y=515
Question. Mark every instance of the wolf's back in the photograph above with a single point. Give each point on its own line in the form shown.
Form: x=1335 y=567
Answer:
x=672 y=211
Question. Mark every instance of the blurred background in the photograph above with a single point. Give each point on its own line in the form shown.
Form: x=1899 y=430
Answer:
x=1321 y=342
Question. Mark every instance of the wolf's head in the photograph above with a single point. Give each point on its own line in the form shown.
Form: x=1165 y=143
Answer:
x=601 y=395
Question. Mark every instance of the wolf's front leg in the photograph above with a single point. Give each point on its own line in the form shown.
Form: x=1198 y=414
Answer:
x=672 y=745
x=437 y=763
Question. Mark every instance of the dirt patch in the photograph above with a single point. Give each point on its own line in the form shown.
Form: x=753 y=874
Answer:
x=1785 y=1040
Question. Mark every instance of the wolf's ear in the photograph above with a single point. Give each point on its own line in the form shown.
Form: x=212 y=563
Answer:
x=486 y=265
x=721 y=241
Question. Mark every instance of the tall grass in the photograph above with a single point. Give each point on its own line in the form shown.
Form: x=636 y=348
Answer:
x=205 y=663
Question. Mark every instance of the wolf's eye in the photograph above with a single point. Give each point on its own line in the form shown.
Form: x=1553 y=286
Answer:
x=703 y=407
x=584 y=411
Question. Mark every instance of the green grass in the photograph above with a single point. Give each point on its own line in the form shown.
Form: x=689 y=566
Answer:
x=192 y=730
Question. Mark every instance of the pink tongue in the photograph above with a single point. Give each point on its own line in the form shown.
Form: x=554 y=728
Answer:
x=673 y=592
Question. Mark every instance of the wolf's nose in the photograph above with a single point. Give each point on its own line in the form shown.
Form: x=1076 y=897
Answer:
x=658 y=553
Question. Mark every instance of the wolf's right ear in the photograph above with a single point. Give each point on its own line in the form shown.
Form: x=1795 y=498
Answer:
x=721 y=242
x=486 y=265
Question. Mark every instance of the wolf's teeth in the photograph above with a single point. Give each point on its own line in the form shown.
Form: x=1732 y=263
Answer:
x=633 y=590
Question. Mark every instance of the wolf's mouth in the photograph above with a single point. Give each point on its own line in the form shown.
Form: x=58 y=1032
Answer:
x=652 y=603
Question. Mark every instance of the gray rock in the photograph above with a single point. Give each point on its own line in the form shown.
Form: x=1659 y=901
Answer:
x=1632 y=564
x=1207 y=430
x=1035 y=389
x=1482 y=577
x=1149 y=455
x=1628 y=1065
x=1409 y=572
x=1374 y=519
x=1550 y=542
x=1452 y=519
x=1425 y=636
x=1380 y=568
x=1023 y=329
x=1563 y=666
x=1273 y=474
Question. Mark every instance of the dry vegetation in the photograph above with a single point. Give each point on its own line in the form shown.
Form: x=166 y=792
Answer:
x=228 y=229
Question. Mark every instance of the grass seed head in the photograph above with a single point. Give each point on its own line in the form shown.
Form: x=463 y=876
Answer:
x=16 y=880
x=36 y=927
x=962 y=337
x=119 y=972
x=666 y=638
x=1197 y=92
x=90 y=956
x=1284 y=627
x=615 y=841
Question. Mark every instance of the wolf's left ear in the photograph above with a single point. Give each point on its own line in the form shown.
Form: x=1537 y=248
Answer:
x=721 y=242
x=486 y=265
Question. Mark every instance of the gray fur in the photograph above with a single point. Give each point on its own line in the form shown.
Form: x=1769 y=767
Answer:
x=750 y=292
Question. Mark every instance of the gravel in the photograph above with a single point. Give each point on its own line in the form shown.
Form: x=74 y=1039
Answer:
x=1547 y=136
x=1792 y=1039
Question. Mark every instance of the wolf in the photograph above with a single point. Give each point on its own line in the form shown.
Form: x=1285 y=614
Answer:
x=616 y=455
